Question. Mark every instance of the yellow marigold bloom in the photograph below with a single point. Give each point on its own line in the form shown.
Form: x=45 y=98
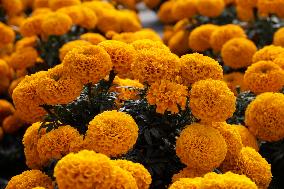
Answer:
x=93 y=38
x=4 y=68
x=234 y=80
x=184 y=9
x=248 y=139
x=71 y=45
x=7 y=35
x=6 y=109
x=38 y=187
x=255 y=167
x=90 y=168
x=189 y=173
x=112 y=133
x=267 y=53
x=199 y=38
x=26 y=42
x=99 y=7
x=109 y=21
x=129 y=37
x=195 y=67
x=151 y=66
x=12 y=7
x=32 y=26
x=210 y=8
x=152 y=3
x=57 y=143
x=138 y=171
x=23 y=58
x=264 y=117
x=88 y=64
x=74 y=12
x=40 y=3
x=167 y=96
x=212 y=100
x=264 y=76
x=129 y=21
x=57 y=4
x=26 y=99
x=238 y=52
x=165 y=12
x=149 y=44
x=16 y=20
x=245 y=14
x=59 y=87
x=122 y=56
x=90 y=19
x=56 y=24
x=223 y=34
x=280 y=61
x=187 y=183
x=30 y=179
x=278 y=38
x=178 y=43
x=41 y=11
x=247 y=3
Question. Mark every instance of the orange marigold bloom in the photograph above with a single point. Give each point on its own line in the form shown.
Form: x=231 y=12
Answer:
x=112 y=133
x=210 y=8
x=245 y=14
x=151 y=66
x=122 y=55
x=247 y=3
x=74 y=12
x=195 y=67
x=248 y=139
x=280 y=61
x=7 y=35
x=41 y=11
x=109 y=21
x=129 y=37
x=40 y=3
x=12 y=7
x=57 y=4
x=14 y=84
x=4 y=84
x=264 y=76
x=188 y=183
x=93 y=38
x=12 y=124
x=129 y=21
x=71 y=45
x=4 y=68
x=267 y=53
x=88 y=64
x=165 y=12
x=189 y=173
x=179 y=42
x=149 y=44
x=265 y=116
x=90 y=19
x=234 y=80
x=242 y=48
x=212 y=100
x=184 y=9
x=278 y=38
x=23 y=58
x=199 y=38
x=138 y=171
x=201 y=147
x=30 y=179
x=32 y=26
x=6 y=109
x=167 y=96
x=56 y=24
x=26 y=42
x=152 y=3
x=223 y=34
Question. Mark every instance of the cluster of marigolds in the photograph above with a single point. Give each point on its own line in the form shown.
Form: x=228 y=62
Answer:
x=140 y=58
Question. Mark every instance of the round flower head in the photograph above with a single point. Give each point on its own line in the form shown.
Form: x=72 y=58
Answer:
x=238 y=52
x=152 y=3
x=4 y=84
x=210 y=8
x=280 y=61
x=26 y=99
x=7 y=35
x=12 y=124
x=267 y=53
x=109 y=21
x=129 y=21
x=223 y=34
x=129 y=37
x=151 y=66
x=41 y=11
x=32 y=26
x=264 y=76
x=88 y=63
x=6 y=109
x=138 y=171
x=184 y=9
x=12 y=7
x=201 y=147
x=264 y=117
x=71 y=45
x=255 y=167
x=178 y=43
x=90 y=19
x=248 y=139
x=40 y=4
x=265 y=7
x=165 y=14
x=234 y=80
x=93 y=38
x=91 y=170
x=278 y=38
x=57 y=4
x=199 y=38
x=167 y=96
x=74 y=12
x=25 y=42
x=149 y=44
x=30 y=179
x=187 y=183
x=4 y=68
x=56 y=24
x=189 y=173
x=112 y=133
x=122 y=55
x=195 y=67
x=247 y=3
x=245 y=14
x=14 y=84
x=23 y=58
x=212 y=100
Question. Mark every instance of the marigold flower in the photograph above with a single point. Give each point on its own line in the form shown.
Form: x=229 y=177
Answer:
x=264 y=117
x=122 y=55
x=7 y=35
x=195 y=67
x=212 y=100
x=30 y=179
x=245 y=14
x=56 y=24
x=129 y=37
x=12 y=124
x=74 y=12
x=93 y=38
x=189 y=173
x=99 y=7
x=267 y=53
x=152 y=3
x=4 y=84
x=278 y=38
x=6 y=109
x=12 y=7
x=38 y=187
x=188 y=183
x=179 y=42
x=90 y=168
x=184 y=9
x=129 y=21
x=280 y=61
x=88 y=64
x=41 y=11
x=223 y=34
x=4 y=68
x=26 y=42
x=167 y=96
x=152 y=66
x=149 y=44
x=14 y=84
x=264 y=76
x=199 y=38
x=247 y=3
x=90 y=19
x=242 y=48
x=138 y=171
x=165 y=12
x=248 y=139
x=71 y=45
x=57 y=4
x=23 y=58
x=201 y=147
x=234 y=80
x=40 y=4
x=109 y=21
x=210 y=8
x=112 y=133
x=32 y=26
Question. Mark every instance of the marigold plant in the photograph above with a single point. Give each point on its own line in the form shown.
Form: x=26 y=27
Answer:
x=248 y=139
x=210 y=8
